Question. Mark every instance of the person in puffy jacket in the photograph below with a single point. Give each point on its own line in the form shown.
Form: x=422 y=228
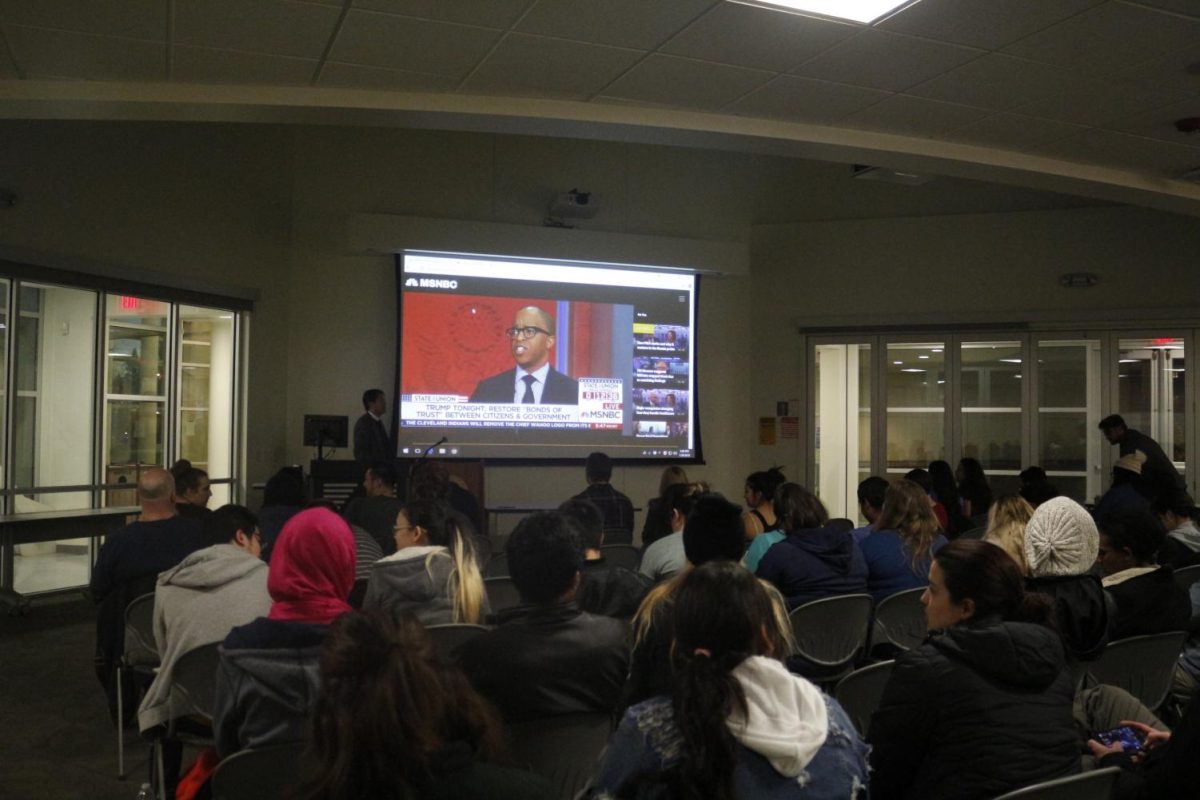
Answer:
x=984 y=706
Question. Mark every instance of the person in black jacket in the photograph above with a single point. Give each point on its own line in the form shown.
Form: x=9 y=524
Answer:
x=1143 y=597
x=1166 y=766
x=604 y=588
x=984 y=706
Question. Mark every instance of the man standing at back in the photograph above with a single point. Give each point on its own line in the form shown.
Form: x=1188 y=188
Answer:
x=616 y=508
x=1158 y=472
x=371 y=442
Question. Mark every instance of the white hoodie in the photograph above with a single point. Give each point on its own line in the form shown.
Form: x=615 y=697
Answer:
x=787 y=720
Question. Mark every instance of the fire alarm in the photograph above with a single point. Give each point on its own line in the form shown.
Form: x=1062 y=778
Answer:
x=1188 y=125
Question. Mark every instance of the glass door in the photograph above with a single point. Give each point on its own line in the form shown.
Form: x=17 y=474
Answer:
x=915 y=387
x=1151 y=392
x=991 y=375
x=1067 y=443
x=842 y=407
x=205 y=413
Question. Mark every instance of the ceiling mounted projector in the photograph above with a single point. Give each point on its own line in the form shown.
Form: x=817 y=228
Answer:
x=574 y=205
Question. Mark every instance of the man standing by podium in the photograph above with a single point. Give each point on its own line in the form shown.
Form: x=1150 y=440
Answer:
x=371 y=441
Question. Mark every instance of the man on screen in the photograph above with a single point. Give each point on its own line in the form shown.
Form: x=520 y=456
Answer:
x=532 y=380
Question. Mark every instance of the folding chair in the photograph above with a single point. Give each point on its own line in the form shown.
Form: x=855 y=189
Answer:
x=502 y=594
x=900 y=620
x=974 y=533
x=859 y=692
x=1141 y=665
x=1186 y=576
x=256 y=774
x=448 y=638
x=831 y=633
x=562 y=749
x=140 y=657
x=1094 y=785
x=194 y=679
x=621 y=555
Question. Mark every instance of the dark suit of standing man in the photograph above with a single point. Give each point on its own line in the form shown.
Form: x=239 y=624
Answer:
x=532 y=380
x=371 y=441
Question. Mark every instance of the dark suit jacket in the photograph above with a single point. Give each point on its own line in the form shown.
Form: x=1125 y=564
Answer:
x=560 y=389
x=370 y=441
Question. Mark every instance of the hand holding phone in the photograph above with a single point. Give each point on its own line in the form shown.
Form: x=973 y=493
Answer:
x=1131 y=739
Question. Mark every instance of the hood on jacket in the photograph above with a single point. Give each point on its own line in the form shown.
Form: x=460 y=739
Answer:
x=1079 y=610
x=832 y=546
x=211 y=567
x=1188 y=534
x=786 y=720
x=414 y=574
x=1017 y=654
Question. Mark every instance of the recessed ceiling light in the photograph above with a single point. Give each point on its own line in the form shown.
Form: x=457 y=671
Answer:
x=912 y=369
x=853 y=10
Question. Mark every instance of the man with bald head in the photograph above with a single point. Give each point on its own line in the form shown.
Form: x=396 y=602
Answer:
x=532 y=380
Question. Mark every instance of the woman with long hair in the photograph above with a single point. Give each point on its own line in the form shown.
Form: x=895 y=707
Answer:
x=433 y=573
x=795 y=508
x=973 y=487
x=905 y=538
x=760 y=497
x=393 y=721
x=945 y=491
x=658 y=523
x=985 y=705
x=1007 y=519
x=736 y=724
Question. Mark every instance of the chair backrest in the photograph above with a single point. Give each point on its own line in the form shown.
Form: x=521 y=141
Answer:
x=621 y=555
x=497 y=567
x=502 y=594
x=831 y=632
x=1141 y=665
x=841 y=524
x=448 y=638
x=900 y=619
x=195 y=677
x=859 y=692
x=262 y=774
x=140 y=647
x=562 y=749
x=1186 y=576
x=974 y=533
x=1094 y=785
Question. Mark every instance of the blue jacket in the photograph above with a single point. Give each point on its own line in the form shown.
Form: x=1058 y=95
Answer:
x=889 y=566
x=811 y=564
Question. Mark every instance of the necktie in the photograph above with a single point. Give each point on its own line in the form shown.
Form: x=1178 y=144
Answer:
x=528 y=396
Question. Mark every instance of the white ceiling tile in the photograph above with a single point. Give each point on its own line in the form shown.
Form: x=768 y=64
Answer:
x=915 y=116
x=486 y=13
x=750 y=36
x=1124 y=151
x=523 y=63
x=1188 y=7
x=989 y=24
x=8 y=69
x=205 y=65
x=1095 y=101
x=355 y=76
x=1109 y=38
x=277 y=27
x=887 y=61
x=383 y=40
x=625 y=23
x=806 y=100
x=684 y=82
x=1159 y=123
x=995 y=81
x=137 y=19
x=80 y=55
x=1015 y=131
x=1179 y=69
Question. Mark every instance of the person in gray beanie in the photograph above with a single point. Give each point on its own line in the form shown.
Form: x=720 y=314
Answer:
x=1061 y=539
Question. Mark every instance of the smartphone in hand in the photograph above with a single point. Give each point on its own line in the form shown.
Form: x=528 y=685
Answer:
x=1131 y=739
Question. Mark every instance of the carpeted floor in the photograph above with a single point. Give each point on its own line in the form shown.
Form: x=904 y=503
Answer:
x=56 y=741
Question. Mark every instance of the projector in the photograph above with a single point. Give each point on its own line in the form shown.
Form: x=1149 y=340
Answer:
x=574 y=205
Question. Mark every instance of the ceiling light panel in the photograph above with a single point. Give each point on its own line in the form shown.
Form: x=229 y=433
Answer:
x=853 y=10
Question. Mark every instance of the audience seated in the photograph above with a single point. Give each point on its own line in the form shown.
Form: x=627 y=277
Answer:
x=267 y=676
x=128 y=565
x=712 y=532
x=1129 y=490
x=921 y=478
x=814 y=561
x=657 y=523
x=665 y=557
x=898 y=553
x=199 y=602
x=973 y=488
x=1176 y=512
x=1166 y=768
x=548 y=657
x=985 y=706
x=795 y=508
x=192 y=491
x=1007 y=519
x=870 y=503
x=376 y=511
x=604 y=589
x=1036 y=487
x=433 y=573
x=945 y=491
x=1142 y=596
x=283 y=497
x=616 y=507
x=392 y=721
x=736 y=724
x=431 y=481
x=760 y=498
